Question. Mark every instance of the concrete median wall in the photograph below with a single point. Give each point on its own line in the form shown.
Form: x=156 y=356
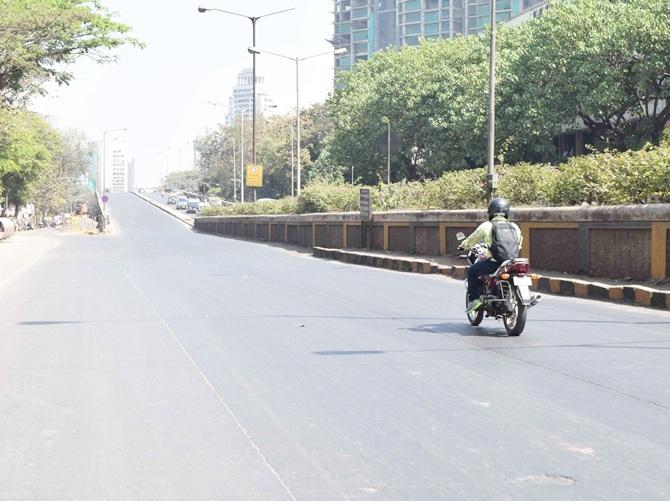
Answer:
x=609 y=241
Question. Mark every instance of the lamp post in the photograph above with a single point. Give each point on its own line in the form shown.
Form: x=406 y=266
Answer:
x=490 y=176
x=104 y=156
x=254 y=20
x=234 y=156
x=292 y=161
x=167 y=162
x=254 y=50
x=388 y=150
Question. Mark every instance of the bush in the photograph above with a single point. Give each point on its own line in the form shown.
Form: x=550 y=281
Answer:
x=527 y=184
x=607 y=178
x=321 y=196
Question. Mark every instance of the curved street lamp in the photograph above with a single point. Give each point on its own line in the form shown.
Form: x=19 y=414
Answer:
x=255 y=51
x=254 y=20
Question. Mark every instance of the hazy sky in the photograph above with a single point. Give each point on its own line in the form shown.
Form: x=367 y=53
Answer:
x=160 y=93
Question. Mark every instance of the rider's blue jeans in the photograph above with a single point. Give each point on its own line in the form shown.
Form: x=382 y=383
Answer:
x=475 y=272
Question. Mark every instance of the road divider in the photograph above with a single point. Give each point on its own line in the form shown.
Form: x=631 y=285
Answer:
x=177 y=215
x=628 y=294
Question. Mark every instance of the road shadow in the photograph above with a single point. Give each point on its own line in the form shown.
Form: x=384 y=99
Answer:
x=461 y=328
x=51 y=322
x=335 y=353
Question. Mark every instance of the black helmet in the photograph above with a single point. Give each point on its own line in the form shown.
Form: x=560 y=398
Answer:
x=498 y=207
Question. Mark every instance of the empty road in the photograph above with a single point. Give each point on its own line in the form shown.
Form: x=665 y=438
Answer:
x=158 y=363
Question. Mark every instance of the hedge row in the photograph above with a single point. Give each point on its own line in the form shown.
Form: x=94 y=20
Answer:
x=631 y=177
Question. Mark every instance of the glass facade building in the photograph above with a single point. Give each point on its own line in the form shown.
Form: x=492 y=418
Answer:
x=365 y=26
x=240 y=102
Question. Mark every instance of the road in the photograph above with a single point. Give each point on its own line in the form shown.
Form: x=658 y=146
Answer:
x=158 y=363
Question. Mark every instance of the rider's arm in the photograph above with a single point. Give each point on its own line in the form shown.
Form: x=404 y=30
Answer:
x=477 y=237
x=518 y=230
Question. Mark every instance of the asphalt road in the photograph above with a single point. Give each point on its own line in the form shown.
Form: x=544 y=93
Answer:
x=157 y=363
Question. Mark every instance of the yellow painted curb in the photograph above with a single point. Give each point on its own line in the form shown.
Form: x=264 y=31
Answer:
x=581 y=290
x=642 y=297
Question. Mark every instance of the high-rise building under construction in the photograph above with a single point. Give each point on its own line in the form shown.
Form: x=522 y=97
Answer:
x=365 y=26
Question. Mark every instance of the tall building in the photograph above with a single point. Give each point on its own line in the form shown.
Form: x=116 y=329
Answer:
x=241 y=102
x=132 y=184
x=115 y=162
x=365 y=26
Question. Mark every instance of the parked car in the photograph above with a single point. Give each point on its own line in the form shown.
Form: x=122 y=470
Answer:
x=172 y=198
x=181 y=203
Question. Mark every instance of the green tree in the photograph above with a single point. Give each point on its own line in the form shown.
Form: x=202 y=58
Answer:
x=274 y=151
x=601 y=63
x=25 y=140
x=39 y=38
x=58 y=183
x=187 y=180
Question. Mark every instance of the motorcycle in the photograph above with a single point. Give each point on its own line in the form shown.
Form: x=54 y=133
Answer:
x=506 y=293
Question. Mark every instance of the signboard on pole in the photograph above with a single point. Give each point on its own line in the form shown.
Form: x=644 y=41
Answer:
x=366 y=206
x=254 y=177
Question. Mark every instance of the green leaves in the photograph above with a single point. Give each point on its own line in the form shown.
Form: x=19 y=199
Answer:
x=594 y=64
x=632 y=177
x=39 y=38
x=38 y=163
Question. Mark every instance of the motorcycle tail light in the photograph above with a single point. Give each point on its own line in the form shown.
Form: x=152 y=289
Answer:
x=519 y=268
x=504 y=276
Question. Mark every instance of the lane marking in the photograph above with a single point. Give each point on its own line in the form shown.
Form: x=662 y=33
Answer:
x=210 y=385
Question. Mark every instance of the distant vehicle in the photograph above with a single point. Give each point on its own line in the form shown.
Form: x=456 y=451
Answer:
x=172 y=199
x=215 y=202
x=193 y=206
x=266 y=200
x=181 y=203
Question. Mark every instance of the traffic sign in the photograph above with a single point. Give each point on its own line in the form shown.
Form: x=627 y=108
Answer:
x=105 y=199
x=254 y=177
x=366 y=206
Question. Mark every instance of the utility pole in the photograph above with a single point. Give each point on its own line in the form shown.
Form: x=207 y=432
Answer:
x=490 y=174
x=292 y=162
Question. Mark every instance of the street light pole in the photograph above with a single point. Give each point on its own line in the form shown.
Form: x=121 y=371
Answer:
x=234 y=172
x=388 y=151
x=242 y=114
x=292 y=161
x=297 y=122
x=254 y=50
x=254 y=20
x=490 y=176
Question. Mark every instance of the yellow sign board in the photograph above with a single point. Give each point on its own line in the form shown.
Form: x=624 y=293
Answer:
x=254 y=177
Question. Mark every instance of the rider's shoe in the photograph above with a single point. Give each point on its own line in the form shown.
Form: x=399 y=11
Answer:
x=474 y=306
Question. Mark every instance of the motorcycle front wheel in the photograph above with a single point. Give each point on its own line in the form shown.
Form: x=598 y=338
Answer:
x=475 y=318
x=515 y=322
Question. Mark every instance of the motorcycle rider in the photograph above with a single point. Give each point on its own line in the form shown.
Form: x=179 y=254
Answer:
x=498 y=210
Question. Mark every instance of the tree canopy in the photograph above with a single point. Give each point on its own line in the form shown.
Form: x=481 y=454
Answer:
x=39 y=38
x=219 y=150
x=592 y=64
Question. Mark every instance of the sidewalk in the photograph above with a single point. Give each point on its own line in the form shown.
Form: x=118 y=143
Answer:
x=637 y=293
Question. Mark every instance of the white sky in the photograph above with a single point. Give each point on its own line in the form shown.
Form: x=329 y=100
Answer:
x=160 y=93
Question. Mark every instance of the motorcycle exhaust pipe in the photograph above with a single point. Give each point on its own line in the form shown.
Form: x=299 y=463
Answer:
x=534 y=300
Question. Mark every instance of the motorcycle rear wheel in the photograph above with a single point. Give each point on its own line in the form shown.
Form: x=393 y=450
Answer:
x=475 y=318
x=516 y=321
